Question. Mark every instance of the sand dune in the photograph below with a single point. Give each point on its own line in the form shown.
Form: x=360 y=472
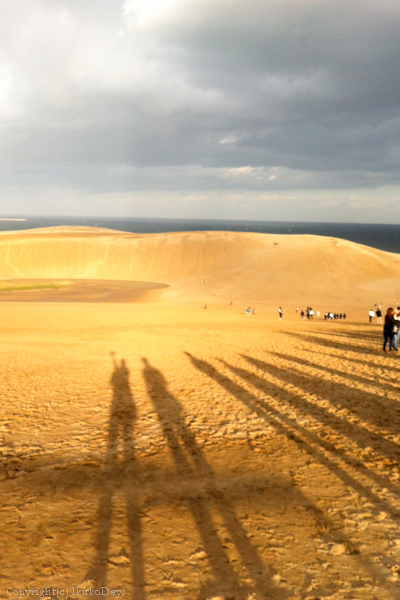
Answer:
x=175 y=453
x=246 y=266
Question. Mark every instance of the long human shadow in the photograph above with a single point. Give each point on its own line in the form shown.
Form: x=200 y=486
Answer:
x=363 y=336
x=327 y=343
x=347 y=359
x=286 y=425
x=354 y=432
x=322 y=367
x=366 y=405
x=351 y=334
x=310 y=384
x=120 y=474
x=191 y=466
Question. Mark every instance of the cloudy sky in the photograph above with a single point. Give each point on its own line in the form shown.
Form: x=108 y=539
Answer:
x=254 y=109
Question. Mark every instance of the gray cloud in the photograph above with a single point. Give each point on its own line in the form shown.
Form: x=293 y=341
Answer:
x=201 y=96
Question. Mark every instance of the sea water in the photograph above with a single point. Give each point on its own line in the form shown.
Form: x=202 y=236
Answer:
x=382 y=237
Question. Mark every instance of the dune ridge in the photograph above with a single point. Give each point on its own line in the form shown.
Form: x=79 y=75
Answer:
x=261 y=266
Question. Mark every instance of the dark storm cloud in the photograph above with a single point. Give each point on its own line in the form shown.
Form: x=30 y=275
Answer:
x=145 y=94
x=307 y=84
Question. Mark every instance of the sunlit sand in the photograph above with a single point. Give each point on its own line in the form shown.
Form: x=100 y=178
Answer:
x=153 y=446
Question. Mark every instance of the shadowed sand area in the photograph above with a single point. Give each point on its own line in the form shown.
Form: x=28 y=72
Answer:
x=54 y=290
x=177 y=453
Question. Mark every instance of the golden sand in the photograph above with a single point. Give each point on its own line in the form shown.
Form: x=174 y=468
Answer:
x=177 y=452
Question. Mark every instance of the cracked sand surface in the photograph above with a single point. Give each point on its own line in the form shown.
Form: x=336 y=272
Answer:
x=215 y=455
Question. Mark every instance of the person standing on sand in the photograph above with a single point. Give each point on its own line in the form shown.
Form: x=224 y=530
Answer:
x=280 y=313
x=396 y=329
x=378 y=316
x=388 y=329
x=371 y=315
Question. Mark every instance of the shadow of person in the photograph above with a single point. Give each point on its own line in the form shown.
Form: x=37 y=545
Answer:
x=307 y=440
x=193 y=469
x=120 y=473
x=320 y=449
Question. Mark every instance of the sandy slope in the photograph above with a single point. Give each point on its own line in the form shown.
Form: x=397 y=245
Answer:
x=241 y=266
x=215 y=454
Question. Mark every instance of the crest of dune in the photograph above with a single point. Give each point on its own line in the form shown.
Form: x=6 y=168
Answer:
x=267 y=268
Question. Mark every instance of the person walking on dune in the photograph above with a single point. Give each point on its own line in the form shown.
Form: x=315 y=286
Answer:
x=371 y=315
x=396 y=329
x=280 y=313
x=388 y=329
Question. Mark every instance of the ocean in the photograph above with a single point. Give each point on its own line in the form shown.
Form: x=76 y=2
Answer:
x=383 y=237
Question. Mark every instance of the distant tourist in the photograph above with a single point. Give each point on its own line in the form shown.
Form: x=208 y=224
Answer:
x=378 y=316
x=302 y=314
x=254 y=310
x=248 y=311
x=371 y=315
x=389 y=329
x=280 y=313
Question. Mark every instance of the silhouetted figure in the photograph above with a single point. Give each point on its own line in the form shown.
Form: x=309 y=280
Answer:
x=120 y=473
x=191 y=466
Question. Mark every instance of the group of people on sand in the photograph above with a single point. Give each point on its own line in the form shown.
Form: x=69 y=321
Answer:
x=391 y=329
x=308 y=313
x=330 y=316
